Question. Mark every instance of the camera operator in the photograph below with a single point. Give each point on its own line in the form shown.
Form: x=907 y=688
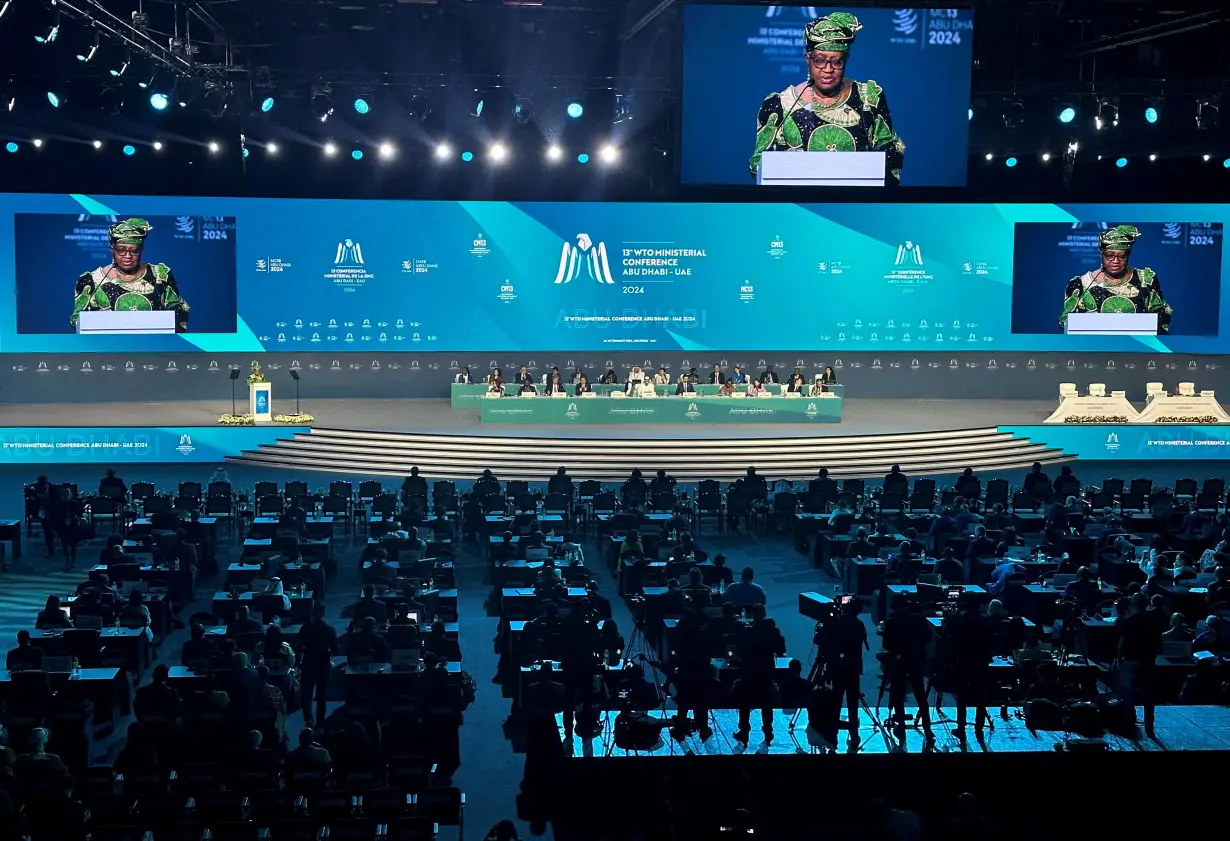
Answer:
x=693 y=670
x=905 y=636
x=842 y=638
x=578 y=663
x=762 y=644
x=972 y=638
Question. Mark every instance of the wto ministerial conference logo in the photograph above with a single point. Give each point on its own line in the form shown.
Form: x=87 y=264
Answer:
x=905 y=21
x=572 y=412
x=349 y=266
x=1112 y=442
x=909 y=253
x=812 y=411
x=806 y=12
x=693 y=412
x=584 y=253
x=185 y=446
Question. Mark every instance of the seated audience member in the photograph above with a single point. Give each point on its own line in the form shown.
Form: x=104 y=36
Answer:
x=746 y=592
x=52 y=615
x=199 y=648
x=674 y=602
x=860 y=546
x=24 y=656
x=794 y=690
x=36 y=767
x=1214 y=637
x=138 y=756
x=135 y=612
x=1178 y=632
x=243 y=623
x=365 y=645
x=309 y=755
x=1001 y=574
x=696 y=589
x=274 y=647
x=368 y=607
x=948 y=568
x=980 y=546
x=1085 y=590
x=157 y=702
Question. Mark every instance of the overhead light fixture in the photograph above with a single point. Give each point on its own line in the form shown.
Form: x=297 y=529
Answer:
x=1208 y=113
x=478 y=106
x=357 y=154
x=214 y=148
x=467 y=156
x=625 y=108
x=1121 y=163
x=582 y=158
x=122 y=69
x=523 y=110
x=1153 y=156
x=88 y=56
x=554 y=153
x=10 y=103
x=1152 y=115
x=1046 y=156
x=97 y=144
x=361 y=106
x=443 y=151
x=330 y=149
x=1107 y=115
x=386 y=150
x=157 y=144
x=609 y=154
x=322 y=103
x=55 y=99
x=4 y=7
x=37 y=143
x=1014 y=113
x=11 y=147
x=498 y=152
x=50 y=36
x=159 y=101
x=575 y=110
x=271 y=148
x=1067 y=113
x=129 y=150
x=267 y=105
x=1010 y=162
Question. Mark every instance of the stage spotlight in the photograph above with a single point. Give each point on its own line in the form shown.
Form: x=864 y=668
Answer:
x=582 y=158
x=554 y=153
x=10 y=147
x=523 y=110
x=357 y=154
x=478 y=105
x=443 y=151
x=244 y=152
x=51 y=35
x=1121 y=163
x=990 y=156
x=609 y=154
x=575 y=110
x=214 y=147
x=159 y=101
x=37 y=143
x=497 y=153
x=1046 y=156
x=11 y=104
x=1010 y=162
x=97 y=144
x=4 y=7
x=322 y=103
x=1206 y=158
x=1208 y=113
x=129 y=150
x=386 y=150
x=88 y=56
x=271 y=148
x=267 y=104
x=361 y=106
x=1226 y=163
x=330 y=149
x=1014 y=113
x=971 y=114
x=1151 y=114
x=55 y=99
x=1153 y=157
x=145 y=84
x=122 y=69
x=157 y=144
x=467 y=156
x=1067 y=114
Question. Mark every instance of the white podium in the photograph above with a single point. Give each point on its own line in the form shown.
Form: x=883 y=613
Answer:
x=821 y=169
x=1111 y=324
x=260 y=402
x=113 y=322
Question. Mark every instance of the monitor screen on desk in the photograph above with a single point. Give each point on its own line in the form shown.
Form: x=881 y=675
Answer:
x=760 y=79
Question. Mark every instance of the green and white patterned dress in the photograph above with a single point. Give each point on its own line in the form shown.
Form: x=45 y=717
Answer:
x=859 y=121
x=154 y=289
x=1138 y=291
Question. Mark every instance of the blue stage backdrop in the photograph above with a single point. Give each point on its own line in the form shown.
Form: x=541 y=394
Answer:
x=1185 y=255
x=52 y=250
x=134 y=445
x=1143 y=442
x=735 y=56
x=457 y=277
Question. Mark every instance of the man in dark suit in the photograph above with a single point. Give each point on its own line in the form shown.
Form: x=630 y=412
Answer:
x=24 y=656
x=243 y=623
x=717 y=377
x=768 y=376
x=368 y=606
x=685 y=386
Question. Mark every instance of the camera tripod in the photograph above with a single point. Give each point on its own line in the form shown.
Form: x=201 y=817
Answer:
x=816 y=679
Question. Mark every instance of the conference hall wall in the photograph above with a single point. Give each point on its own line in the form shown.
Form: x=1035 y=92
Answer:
x=387 y=298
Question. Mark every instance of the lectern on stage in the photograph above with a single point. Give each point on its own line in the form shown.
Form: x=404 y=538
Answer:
x=822 y=169
x=1111 y=324
x=260 y=402
x=136 y=322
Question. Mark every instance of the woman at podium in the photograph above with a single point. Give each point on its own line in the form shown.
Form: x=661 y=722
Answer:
x=1116 y=287
x=129 y=283
x=828 y=112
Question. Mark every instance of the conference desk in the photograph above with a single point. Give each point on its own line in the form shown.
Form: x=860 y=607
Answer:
x=468 y=395
x=105 y=687
x=132 y=643
x=668 y=409
x=224 y=606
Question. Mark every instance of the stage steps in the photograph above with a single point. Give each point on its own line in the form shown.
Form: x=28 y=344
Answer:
x=466 y=456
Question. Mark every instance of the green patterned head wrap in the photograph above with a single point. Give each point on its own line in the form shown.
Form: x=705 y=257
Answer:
x=1118 y=238
x=832 y=33
x=129 y=232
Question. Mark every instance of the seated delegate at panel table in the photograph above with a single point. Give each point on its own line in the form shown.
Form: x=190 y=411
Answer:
x=828 y=112
x=1116 y=287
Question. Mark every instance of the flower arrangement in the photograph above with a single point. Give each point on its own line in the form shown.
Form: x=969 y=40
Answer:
x=255 y=375
x=1200 y=419
x=1096 y=419
x=294 y=417
x=236 y=420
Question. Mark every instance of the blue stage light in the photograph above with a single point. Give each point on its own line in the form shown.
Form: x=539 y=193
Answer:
x=575 y=109
x=1067 y=115
x=10 y=147
x=1226 y=163
x=129 y=150
x=1010 y=162
x=971 y=114
x=357 y=154
x=1151 y=115
x=54 y=99
x=361 y=106
x=1121 y=163
x=467 y=156
x=267 y=104
x=245 y=152
x=159 y=101
x=582 y=158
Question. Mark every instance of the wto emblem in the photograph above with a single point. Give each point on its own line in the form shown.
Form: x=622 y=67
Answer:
x=1172 y=230
x=349 y=253
x=692 y=413
x=185 y=224
x=908 y=254
x=586 y=253
x=808 y=12
x=1112 y=442
x=185 y=445
x=572 y=413
x=905 y=21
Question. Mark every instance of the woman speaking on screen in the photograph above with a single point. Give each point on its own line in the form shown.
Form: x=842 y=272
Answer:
x=828 y=112
x=1115 y=286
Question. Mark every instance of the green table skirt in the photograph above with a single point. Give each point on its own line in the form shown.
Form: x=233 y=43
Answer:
x=467 y=395
x=596 y=409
